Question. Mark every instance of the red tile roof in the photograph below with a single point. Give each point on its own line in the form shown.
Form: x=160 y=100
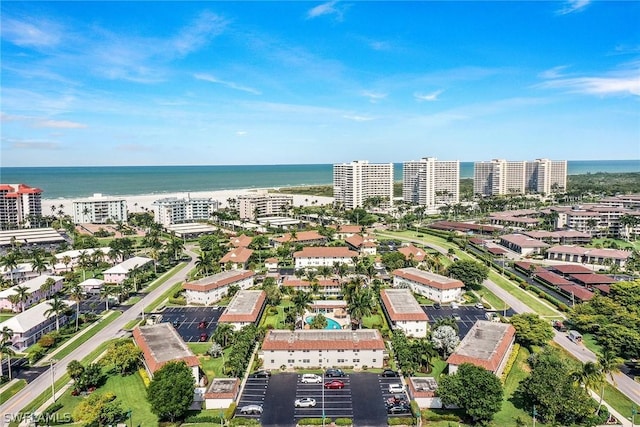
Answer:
x=234 y=311
x=429 y=279
x=218 y=280
x=159 y=342
x=492 y=362
x=413 y=312
x=241 y=241
x=301 y=236
x=239 y=255
x=593 y=279
x=552 y=278
x=407 y=251
x=527 y=266
x=571 y=269
x=578 y=291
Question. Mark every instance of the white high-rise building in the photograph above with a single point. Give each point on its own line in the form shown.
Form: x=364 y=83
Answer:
x=172 y=210
x=19 y=205
x=99 y=209
x=253 y=206
x=430 y=182
x=499 y=177
x=356 y=182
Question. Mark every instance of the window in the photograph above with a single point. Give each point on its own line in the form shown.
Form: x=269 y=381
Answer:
x=272 y=361
x=373 y=360
x=290 y=361
x=356 y=360
x=306 y=361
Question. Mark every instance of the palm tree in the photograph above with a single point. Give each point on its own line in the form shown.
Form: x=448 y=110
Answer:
x=589 y=375
x=6 y=334
x=83 y=263
x=47 y=286
x=57 y=306
x=66 y=260
x=301 y=302
x=360 y=305
x=105 y=292
x=22 y=295
x=76 y=294
x=223 y=334
x=38 y=264
x=10 y=263
x=609 y=364
x=204 y=263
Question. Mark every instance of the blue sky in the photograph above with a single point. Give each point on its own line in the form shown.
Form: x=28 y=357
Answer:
x=165 y=83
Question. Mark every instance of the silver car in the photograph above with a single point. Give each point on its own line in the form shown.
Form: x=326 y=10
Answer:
x=305 y=402
x=311 y=379
x=251 y=410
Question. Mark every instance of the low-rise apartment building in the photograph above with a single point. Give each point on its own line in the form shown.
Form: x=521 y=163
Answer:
x=245 y=308
x=323 y=348
x=326 y=287
x=211 y=289
x=119 y=272
x=403 y=312
x=433 y=286
x=38 y=289
x=323 y=256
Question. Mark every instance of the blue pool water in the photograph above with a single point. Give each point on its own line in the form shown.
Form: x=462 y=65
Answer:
x=331 y=324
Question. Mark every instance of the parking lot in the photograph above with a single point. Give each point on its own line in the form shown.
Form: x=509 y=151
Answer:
x=187 y=320
x=362 y=399
x=468 y=314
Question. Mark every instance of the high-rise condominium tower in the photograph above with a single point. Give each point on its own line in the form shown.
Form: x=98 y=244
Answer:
x=499 y=177
x=19 y=205
x=356 y=182
x=430 y=182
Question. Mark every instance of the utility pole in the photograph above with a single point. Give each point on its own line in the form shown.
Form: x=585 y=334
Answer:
x=53 y=384
x=534 y=413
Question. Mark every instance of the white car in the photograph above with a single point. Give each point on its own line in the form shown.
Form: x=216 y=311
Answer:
x=311 y=379
x=305 y=402
x=455 y=306
x=396 y=388
x=251 y=410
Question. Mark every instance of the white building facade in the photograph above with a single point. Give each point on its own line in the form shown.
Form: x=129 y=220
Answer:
x=172 y=210
x=316 y=256
x=119 y=272
x=211 y=289
x=254 y=206
x=323 y=348
x=500 y=177
x=19 y=203
x=403 y=312
x=99 y=209
x=433 y=286
x=430 y=182
x=356 y=182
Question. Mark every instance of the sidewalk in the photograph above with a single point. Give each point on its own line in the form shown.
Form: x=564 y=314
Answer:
x=623 y=421
x=45 y=360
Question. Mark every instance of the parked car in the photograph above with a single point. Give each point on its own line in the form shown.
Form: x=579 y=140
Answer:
x=436 y=305
x=479 y=305
x=399 y=409
x=305 y=402
x=557 y=324
x=455 y=306
x=251 y=410
x=333 y=372
x=397 y=399
x=203 y=337
x=260 y=374
x=396 y=388
x=311 y=379
x=389 y=373
x=202 y=325
x=456 y=317
x=176 y=323
x=334 y=384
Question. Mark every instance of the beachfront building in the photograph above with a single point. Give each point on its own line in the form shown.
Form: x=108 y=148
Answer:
x=430 y=182
x=38 y=289
x=356 y=182
x=433 y=286
x=245 y=308
x=211 y=289
x=172 y=210
x=255 y=205
x=501 y=177
x=99 y=209
x=323 y=348
x=29 y=326
x=317 y=256
x=403 y=312
x=119 y=272
x=20 y=205
x=487 y=345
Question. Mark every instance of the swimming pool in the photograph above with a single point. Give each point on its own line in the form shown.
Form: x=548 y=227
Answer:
x=331 y=324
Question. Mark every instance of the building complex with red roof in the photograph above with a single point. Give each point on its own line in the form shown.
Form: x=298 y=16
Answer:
x=433 y=286
x=211 y=289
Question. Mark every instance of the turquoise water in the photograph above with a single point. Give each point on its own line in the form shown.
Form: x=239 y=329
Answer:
x=76 y=182
x=331 y=324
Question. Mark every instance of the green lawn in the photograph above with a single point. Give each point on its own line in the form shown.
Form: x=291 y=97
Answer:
x=589 y=341
x=87 y=335
x=542 y=308
x=4 y=317
x=166 y=276
x=167 y=294
x=12 y=390
x=275 y=321
x=129 y=390
x=375 y=321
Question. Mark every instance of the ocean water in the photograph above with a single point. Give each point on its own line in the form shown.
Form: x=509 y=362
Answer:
x=77 y=182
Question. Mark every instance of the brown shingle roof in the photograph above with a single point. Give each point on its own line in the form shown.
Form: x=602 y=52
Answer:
x=571 y=269
x=578 y=291
x=593 y=279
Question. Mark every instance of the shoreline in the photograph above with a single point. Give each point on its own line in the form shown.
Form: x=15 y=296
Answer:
x=140 y=202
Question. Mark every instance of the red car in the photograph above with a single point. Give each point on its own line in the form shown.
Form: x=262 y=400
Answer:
x=334 y=384
x=204 y=337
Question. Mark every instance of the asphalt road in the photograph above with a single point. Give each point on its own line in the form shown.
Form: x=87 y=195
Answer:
x=43 y=382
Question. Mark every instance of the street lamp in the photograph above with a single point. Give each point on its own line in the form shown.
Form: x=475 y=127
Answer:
x=634 y=411
x=53 y=384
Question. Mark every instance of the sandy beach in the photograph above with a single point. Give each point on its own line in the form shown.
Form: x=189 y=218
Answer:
x=139 y=203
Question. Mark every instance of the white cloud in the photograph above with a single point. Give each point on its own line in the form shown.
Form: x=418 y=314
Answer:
x=553 y=73
x=328 y=8
x=198 y=33
x=374 y=97
x=241 y=133
x=571 y=6
x=25 y=144
x=625 y=81
x=60 y=124
x=380 y=45
x=433 y=96
x=33 y=33
x=357 y=118
x=231 y=85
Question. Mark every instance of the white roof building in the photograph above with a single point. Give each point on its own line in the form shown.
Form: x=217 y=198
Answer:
x=119 y=272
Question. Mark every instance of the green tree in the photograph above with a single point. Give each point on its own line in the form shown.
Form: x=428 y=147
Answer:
x=223 y=334
x=360 y=305
x=474 y=389
x=76 y=294
x=445 y=339
x=608 y=364
x=301 y=302
x=56 y=307
x=75 y=369
x=471 y=273
x=6 y=334
x=99 y=410
x=531 y=329
x=124 y=356
x=170 y=392
x=22 y=295
x=319 y=321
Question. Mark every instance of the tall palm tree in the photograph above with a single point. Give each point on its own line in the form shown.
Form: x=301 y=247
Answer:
x=589 y=375
x=76 y=294
x=66 y=260
x=204 y=263
x=6 y=334
x=301 y=302
x=84 y=260
x=57 y=306
x=38 y=264
x=22 y=293
x=223 y=334
x=105 y=292
x=47 y=286
x=609 y=364
x=10 y=262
